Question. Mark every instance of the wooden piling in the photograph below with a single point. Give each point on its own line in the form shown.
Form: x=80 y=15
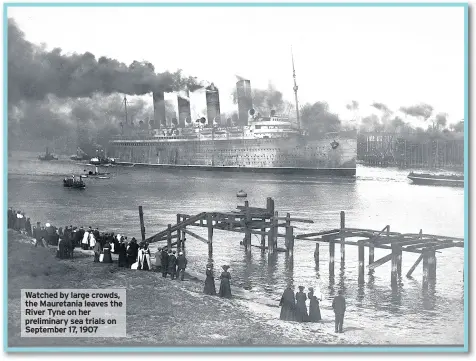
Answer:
x=394 y=276
x=371 y=254
x=142 y=227
x=179 y=234
x=316 y=255
x=276 y=230
x=290 y=240
x=169 y=237
x=425 y=268
x=431 y=265
x=247 y=242
x=361 y=262
x=288 y=224
x=210 y=235
x=331 y=257
x=342 y=238
x=263 y=236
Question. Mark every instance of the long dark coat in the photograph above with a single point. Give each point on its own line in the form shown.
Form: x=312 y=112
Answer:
x=97 y=251
x=172 y=264
x=314 y=310
x=225 y=288
x=107 y=253
x=132 y=253
x=288 y=305
x=301 y=309
x=209 y=288
x=122 y=262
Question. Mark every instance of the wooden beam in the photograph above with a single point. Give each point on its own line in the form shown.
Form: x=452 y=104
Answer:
x=186 y=222
x=210 y=235
x=142 y=227
x=380 y=261
x=432 y=245
x=200 y=238
x=300 y=220
x=417 y=262
x=306 y=235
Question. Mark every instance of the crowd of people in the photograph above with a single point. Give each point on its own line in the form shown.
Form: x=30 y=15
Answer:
x=131 y=254
x=134 y=255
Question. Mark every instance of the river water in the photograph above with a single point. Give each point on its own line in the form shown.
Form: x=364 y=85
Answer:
x=377 y=197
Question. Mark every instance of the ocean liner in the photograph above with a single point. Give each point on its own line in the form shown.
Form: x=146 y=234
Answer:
x=253 y=143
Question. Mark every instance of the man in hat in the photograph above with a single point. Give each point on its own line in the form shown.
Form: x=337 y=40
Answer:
x=338 y=304
x=172 y=263
x=165 y=262
x=182 y=264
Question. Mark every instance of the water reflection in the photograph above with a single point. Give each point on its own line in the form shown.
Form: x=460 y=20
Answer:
x=247 y=270
x=289 y=269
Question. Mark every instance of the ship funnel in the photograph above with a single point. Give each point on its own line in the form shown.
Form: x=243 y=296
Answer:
x=159 y=110
x=245 y=102
x=213 y=103
x=184 y=111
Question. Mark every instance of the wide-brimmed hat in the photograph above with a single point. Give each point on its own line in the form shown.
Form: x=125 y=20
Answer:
x=225 y=267
x=47 y=225
x=311 y=289
x=301 y=287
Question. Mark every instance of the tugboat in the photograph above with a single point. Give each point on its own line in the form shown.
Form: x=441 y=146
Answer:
x=451 y=180
x=95 y=174
x=73 y=182
x=48 y=156
x=80 y=155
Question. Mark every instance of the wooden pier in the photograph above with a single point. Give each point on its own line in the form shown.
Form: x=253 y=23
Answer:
x=267 y=223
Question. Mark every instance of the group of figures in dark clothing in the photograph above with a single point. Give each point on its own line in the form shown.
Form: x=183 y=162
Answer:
x=293 y=307
x=168 y=263
x=225 y=277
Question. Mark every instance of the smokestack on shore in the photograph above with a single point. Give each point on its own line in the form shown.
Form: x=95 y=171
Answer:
x=245 y=101
x=184 y=111
x=159 y=110
x=213 y=104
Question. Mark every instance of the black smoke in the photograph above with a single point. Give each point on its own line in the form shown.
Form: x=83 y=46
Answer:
x=52 y=94
x=33 y=73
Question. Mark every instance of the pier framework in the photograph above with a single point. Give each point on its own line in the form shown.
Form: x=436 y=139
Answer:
x=269 y=225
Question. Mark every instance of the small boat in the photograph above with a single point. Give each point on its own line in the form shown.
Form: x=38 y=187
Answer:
x=73 y=182
x=452 y=180
x=241 y=194
x=95 y=174
x=47 y=156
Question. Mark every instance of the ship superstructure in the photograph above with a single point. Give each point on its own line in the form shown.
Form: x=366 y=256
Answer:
x=252 y=142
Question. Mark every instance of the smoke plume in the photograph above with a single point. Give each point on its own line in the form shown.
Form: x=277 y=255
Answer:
x=33 y=73
x=421 y=110
x=382 y=107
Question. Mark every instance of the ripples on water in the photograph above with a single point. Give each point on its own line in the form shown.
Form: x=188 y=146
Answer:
x=377 y=197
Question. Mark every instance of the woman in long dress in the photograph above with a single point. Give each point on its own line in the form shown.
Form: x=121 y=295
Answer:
x=144 y=254
x=314 y=310
x=122 y=262
x=288 y=305
x=225 y=288
x=107 y=253
x=301 y=309
x=209 y=288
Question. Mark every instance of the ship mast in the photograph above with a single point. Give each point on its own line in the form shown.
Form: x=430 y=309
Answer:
x=295 y=88
x=125 y=106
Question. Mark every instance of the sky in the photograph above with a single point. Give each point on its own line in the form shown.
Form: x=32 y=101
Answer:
x=396 y=56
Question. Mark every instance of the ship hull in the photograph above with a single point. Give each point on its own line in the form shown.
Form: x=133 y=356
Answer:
x=328 y=156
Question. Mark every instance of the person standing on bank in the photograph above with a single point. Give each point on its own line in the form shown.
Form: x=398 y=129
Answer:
x=301 y=309
x=288 y=305
x=181 y=265
x=225 y=288
x=172 y=263
x=314 y=310
x=165 y=263
x=209 y=288
x=338 y=304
